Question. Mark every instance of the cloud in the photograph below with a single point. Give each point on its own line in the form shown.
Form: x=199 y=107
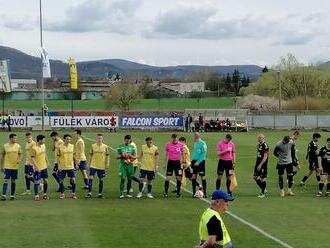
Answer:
x=297 y=38
x=314 y=17
x=179 y=22
x=97 y=15
x=207 y=23
x=300 y=30
x=194 y=20
x=21 y=23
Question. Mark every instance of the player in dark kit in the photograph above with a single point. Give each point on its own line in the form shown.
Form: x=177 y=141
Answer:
x=260 y=169
x=312 y=159
x=283 y=151
x=324 y=168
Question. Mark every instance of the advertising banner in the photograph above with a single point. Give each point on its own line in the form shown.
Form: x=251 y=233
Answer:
x=84 y=121
x=162 y=121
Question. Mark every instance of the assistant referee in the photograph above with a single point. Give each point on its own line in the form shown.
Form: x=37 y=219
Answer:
x=212 y=230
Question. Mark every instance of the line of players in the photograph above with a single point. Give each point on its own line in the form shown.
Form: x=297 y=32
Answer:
x=69 y=157
x=285 y=151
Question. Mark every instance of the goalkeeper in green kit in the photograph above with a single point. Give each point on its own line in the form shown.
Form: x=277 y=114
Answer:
x=126 y=155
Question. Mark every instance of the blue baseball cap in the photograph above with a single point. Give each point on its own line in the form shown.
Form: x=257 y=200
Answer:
x=219 y=194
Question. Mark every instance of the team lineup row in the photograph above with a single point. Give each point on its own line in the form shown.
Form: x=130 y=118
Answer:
x=285 y=151
x=69 y=157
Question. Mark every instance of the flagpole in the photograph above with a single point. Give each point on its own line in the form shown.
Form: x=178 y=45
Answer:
x=72 y=92
x=42 y=76
x=3 y=105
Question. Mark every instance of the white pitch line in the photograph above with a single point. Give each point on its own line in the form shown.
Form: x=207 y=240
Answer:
x=254 y=227
x=236 y=217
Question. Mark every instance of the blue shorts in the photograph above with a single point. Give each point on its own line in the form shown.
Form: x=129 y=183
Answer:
x=28 y=170
x=83 y=165
x=43 y=174
x=150 y=175
x=55 y=169
x=63 y=173
x=11 y=174
x=100 y=173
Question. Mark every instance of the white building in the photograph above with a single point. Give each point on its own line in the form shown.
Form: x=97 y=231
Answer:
x=23 y=83
x=182 y=87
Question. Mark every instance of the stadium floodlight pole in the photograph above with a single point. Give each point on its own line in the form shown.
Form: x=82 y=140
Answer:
x=159 y=88
x=280 y=90
x=3 y=103
x=2 y=99
x=42 y=76
x=305 y=88
x=72 y=115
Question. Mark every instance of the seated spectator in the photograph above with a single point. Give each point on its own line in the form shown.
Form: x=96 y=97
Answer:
x=207 y=127
x=212 y=125
x=228 y=124
x=192 y=126
x=201 y=122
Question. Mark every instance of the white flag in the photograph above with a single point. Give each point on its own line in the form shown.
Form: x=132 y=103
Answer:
x=45 y=63
x=5 y=76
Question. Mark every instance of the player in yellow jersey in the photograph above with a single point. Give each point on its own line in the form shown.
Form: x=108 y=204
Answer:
x=57 y=141
x=65 y=161
x=28 y=168
x=99 y=161
x=186 y=162
x=40 y=163
x=149 y=158
x=10 y=159
x=80 y=157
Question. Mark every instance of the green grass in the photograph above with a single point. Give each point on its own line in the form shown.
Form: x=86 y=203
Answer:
x=144 y=104
x=300 y=221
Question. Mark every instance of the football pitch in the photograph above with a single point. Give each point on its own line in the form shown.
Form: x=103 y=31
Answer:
x=301 y=221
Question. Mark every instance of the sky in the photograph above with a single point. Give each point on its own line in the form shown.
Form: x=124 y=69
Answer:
x=171 y=32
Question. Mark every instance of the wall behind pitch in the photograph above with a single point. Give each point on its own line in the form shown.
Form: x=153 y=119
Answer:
x=289 y=121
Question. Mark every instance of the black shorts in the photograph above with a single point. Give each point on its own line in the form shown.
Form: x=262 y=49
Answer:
x=281 y=168
x=313 y=165
x=326 y=170
x=225 y=165
x=188 y=172
x=261 y=173
x=198 y=169
x=174 y=165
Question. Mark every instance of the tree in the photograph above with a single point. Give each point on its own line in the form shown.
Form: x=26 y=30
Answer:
x=297 y=80
x=200 y=76
x=236 y=81
x=122 y=95
x=244 y=81
x=248 y=81
x=228 y=82
x=213 y=81
x=265 y=69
